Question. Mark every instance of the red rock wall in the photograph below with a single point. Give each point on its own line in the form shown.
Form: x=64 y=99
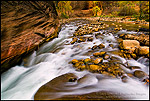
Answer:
x=25 y=25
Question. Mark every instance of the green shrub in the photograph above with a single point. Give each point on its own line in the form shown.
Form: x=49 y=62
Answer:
x=63 y=15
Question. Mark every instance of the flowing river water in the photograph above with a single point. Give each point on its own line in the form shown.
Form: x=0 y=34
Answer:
x=51 y=60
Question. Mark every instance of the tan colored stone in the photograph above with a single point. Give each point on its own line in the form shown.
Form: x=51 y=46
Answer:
x=98 y=60
x=87 y=60
x=129 y=44
x=74 y=61
x=143 y=50
x=94 y=67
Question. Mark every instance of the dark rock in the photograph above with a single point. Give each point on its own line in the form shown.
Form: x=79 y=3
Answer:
x=101 y=46
x=53 y=86
x=124 y=78
x=144 y=29
x=139 y=74
x=94 y=47
x=90 y=39
x=73 y=40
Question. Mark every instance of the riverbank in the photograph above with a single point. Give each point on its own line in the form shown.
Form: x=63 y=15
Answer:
x=114 y=19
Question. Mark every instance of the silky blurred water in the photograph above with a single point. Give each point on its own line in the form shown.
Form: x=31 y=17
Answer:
x=22 y=82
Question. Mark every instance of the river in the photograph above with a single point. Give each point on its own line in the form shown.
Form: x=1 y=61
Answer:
x=21 y=82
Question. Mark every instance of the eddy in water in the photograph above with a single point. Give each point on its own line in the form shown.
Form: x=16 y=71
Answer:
x=87 y=61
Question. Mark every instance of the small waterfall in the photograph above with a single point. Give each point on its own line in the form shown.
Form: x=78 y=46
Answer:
x=43 y=65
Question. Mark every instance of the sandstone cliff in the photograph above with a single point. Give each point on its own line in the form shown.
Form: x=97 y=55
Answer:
x=24 y=26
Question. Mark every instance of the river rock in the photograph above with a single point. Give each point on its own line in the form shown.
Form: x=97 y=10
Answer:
x=87 y=60
x=143 y=50
x=74 y=61
x=111 y=45
x=87 y=80
x=139 y=74
x=98 y=60
x=81 y=39
x=106 y=56
x=101 y=46
x=73 y=40
x=102 y=53
x=124 y=78
x=53 y=86
x=90 y=39
x=96 y=54
x=81 y=67
x=94 y=47
x=133 y=67
x=93 y=68
x=129 y=44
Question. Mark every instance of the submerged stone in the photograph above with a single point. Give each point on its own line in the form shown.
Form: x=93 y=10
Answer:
x=139 y=74
x=98 y=60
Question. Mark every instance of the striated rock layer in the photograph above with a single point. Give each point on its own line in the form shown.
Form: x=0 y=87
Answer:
x=24 y=26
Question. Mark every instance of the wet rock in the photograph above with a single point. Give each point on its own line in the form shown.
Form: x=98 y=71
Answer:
x=98 y=60
x=124 y=78
x=72 y=79
x=100 y=95
x=74 y=61
x=96 y=54
x=128 y=56
x=76 y=65
x=147 y=55
x=116 y=29
x=129 y=44
x=53 y=86
x=130 y=75
x=101 y=46
x=87 y=79
x=139 y=74
x=111 y=45
x=93 y=68
x=121 y=35
x=119 y=40
x=99 y=54
x=90 y=39
x=96 y=29
x=143 y=50
x=108 y=74
x=94 y=47
x=87 y=60
x=133 y=67
x=73 y=40
x=102 y=53
x=81 y=67
x=133 y=56
x=106 y=56
x=82 y=39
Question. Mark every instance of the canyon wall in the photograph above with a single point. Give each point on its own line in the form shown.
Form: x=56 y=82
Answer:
x=24 y=26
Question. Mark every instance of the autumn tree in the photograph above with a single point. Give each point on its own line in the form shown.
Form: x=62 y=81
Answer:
x=126 y=8
x=97 y=7
x=64 y=8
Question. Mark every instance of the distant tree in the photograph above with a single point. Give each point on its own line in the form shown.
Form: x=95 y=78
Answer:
x=126 y=8
x=95 y=10
x=96 y=7
x=64 y=8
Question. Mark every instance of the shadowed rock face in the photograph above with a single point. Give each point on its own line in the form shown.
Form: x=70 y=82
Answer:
x=53 y=89
x=24 y=26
